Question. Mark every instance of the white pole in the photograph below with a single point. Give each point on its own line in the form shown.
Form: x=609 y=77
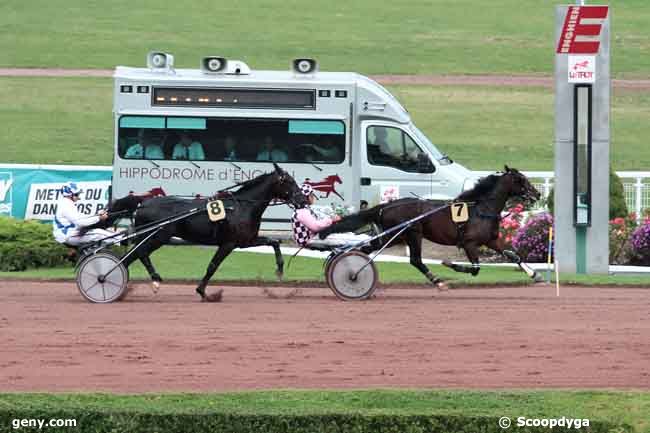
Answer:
x=557 y=279
x=638 y=186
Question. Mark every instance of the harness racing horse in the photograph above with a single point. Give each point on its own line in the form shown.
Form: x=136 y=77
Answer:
x=485 y=202
x=239 y=229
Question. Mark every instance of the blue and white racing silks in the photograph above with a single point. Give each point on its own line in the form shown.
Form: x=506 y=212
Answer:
x=68 y=220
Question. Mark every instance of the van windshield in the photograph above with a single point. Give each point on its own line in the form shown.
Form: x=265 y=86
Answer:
x=441 y=157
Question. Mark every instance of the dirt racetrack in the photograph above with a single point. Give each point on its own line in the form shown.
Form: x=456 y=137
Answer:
x=52 y=340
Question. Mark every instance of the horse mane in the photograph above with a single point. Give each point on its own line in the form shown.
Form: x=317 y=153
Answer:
x=484 y=186
x=250 y=183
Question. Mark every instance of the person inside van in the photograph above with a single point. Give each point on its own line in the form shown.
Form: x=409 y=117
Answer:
x=326 y=152
x=230 y=148
x=144 y=147
x=270 y=152
x=188 y=149
x=380 y=152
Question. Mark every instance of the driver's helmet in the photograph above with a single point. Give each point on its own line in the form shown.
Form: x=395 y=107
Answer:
x=70 y=189
x=307 y=189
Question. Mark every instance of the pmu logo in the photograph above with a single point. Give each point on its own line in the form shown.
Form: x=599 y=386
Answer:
x=6 y=182
x=581 y=30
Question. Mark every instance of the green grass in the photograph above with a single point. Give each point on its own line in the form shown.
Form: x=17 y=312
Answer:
x=189 y=263
x=631 y=408
x=69 y=120
x=440 y=36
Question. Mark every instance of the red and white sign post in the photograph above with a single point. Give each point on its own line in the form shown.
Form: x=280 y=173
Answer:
x=582 y=115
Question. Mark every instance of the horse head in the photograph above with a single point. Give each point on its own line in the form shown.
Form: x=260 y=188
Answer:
x=520 y=186
x=335 y=178
x=285 y=188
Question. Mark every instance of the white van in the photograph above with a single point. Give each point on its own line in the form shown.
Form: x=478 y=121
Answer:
x=193 y=132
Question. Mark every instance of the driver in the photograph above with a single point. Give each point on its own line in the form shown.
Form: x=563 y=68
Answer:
x=306 y=224
x=68 y=220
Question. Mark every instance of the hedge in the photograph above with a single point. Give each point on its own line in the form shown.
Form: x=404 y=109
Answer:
x=617 y=205
x=28 y=244
x=142 y=422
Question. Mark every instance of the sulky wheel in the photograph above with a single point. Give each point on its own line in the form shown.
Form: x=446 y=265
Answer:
x=101 y=278
x=348 y=280
x=326 y=267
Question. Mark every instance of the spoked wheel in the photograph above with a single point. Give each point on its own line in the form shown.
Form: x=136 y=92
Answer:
x=101 y=278
x=326 y=267
x=352 y=276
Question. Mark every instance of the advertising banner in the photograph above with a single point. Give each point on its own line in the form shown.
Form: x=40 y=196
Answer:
x=31 y=191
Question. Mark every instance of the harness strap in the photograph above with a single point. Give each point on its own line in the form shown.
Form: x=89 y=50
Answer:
x=488 y=216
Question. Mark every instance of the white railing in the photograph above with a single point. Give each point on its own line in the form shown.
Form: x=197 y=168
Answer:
x=636 y=185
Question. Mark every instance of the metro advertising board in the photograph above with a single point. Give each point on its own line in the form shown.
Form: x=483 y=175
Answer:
x=6 y=184
x=31 y=191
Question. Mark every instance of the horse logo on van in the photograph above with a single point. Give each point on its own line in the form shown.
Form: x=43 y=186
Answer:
x=327 y=185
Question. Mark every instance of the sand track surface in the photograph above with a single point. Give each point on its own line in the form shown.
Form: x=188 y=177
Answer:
x=53 y=340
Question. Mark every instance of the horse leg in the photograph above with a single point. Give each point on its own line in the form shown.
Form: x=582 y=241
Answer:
x=471 y=251
x=279 y=260
x=414 y=241
x=498 y=246
x=218 y=257
x=144 y=251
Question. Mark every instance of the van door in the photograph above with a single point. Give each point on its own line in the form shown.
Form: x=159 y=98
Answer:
x=394 y=165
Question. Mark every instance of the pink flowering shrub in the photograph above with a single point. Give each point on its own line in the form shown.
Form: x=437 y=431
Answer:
x=531 y=240
x=620 y=229
x=640 y=243
x=510 y=224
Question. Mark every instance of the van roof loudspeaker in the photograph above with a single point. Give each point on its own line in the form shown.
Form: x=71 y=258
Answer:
x=214 y=64
x=220 y=65
x=160 y=61
x=304 y=66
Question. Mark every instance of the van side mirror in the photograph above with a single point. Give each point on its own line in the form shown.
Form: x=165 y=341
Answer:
x=424 y=164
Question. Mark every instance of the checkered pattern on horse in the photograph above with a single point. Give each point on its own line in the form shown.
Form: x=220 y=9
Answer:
x=301 y=234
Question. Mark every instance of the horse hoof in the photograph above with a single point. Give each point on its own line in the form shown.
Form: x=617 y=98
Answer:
x=447 y=263
x=279 y=275
x=155 y=286
x=442 y=286
x=214 y=297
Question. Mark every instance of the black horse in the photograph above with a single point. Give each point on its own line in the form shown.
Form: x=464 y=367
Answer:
x=485 y=203
x=239 y=229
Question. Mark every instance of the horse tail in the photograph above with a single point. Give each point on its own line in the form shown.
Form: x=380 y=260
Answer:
x=353 y=222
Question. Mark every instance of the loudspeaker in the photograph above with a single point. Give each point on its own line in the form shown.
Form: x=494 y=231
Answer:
x=214 y=64
x=160 y=60
x=304 y=66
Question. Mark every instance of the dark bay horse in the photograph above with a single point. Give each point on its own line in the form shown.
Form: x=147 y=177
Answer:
x=243 y=215
x=485 y=202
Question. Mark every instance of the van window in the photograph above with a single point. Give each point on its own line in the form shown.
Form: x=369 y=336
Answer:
x=228 y=139
x=392 y=147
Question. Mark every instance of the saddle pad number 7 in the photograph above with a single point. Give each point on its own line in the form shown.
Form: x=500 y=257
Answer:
x=459 y=212
x=216 y=211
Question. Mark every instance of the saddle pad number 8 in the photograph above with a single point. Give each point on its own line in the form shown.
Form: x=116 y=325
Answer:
x=459 y=212
x=216 y=211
